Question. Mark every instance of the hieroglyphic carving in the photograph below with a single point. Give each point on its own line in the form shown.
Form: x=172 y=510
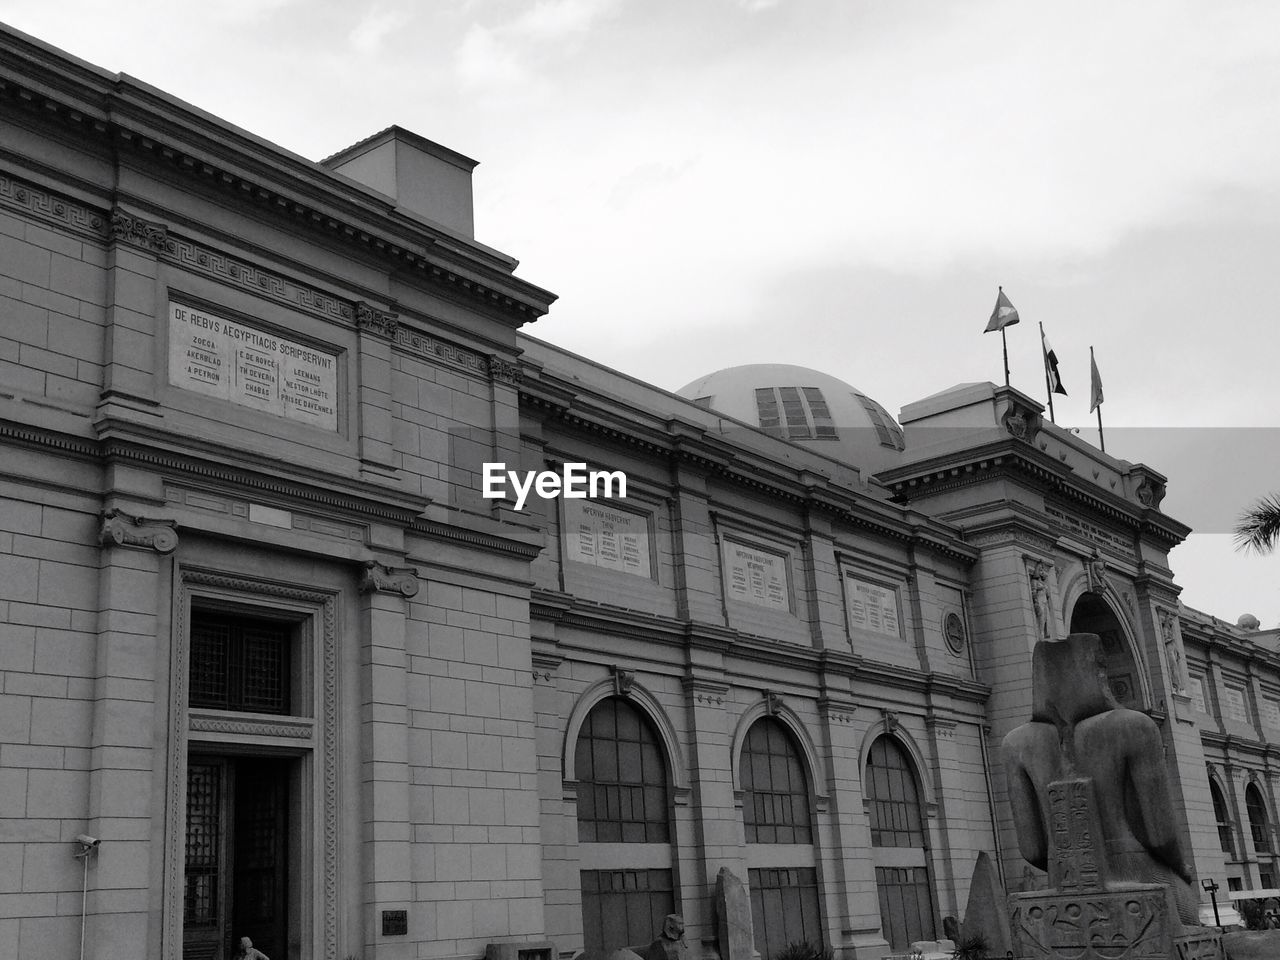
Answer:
x=1100 y=925
x=379 y=577
x=1075 y=834
x=122 y=529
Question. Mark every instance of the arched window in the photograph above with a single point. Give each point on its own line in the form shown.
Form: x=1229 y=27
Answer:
x=623 y=797
x=1257 y=811
x=900 y=849
x=781 y=870
x=1220 y=814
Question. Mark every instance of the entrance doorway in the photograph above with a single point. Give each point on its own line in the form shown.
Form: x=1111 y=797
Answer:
x=237 y=856
x=1093 y=615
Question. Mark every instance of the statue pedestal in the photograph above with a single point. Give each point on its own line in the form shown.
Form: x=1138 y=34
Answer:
x=1084 y=916
x=1129 y=922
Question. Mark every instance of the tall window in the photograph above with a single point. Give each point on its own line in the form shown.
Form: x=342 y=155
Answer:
x=623 y=797
x=798 y=413
x=781 y=868
x=900 y=850
x=1220 y=814
x=1257 y=810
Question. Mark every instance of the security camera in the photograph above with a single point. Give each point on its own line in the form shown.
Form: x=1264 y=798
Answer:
x=87 y=841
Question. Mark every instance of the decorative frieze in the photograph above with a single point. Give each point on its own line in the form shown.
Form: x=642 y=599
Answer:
x=40 y=204
x=438 y=351
x=127 y=228
x=504 y=371
x=122 y=529
x=378 y=322
x=378 y=577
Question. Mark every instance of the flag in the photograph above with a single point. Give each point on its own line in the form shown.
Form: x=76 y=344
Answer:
x=1095 y=384
x=1004 y=315
x=1051 y=366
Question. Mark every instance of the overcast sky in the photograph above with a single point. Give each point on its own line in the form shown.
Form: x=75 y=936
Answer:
x=840 y=184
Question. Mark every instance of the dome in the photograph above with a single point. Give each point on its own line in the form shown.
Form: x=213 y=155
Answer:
x=813 y=409
x=1248 y=621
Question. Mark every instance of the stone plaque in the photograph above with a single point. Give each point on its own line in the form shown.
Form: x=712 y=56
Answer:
x=233 y=361
x=607 y=537
x=872 y=607
x=755 y=576
x=733 y=917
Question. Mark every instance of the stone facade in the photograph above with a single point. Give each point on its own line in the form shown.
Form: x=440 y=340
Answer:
x=408 y=785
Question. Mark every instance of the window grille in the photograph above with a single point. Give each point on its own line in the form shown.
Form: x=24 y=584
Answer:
x=203 y=844
x=1257 y=810
x=1225 y=835
x=894 y=796
x=622 y=792
x=238 y=663
x=775 y=806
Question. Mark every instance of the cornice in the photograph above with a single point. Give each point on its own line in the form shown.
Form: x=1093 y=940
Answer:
x=679 y=440
x=1017 y=458
x=509 y=546
x=137 y=123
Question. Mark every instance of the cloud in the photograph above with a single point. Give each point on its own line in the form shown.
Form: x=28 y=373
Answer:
x=484 y=60
x=508 y=55
x=376 y=25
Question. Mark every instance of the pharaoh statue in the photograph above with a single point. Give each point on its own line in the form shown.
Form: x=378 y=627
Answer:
x=1081 y=742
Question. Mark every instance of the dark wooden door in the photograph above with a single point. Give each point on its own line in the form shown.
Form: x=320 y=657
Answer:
x=237 y=856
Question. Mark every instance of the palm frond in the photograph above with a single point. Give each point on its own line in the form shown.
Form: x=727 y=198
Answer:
x=1258 y=528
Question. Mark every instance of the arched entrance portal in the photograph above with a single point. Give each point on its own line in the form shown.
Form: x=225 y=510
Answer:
x=1092 y=614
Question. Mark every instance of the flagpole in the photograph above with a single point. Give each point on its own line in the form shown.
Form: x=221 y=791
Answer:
x=1048 y=387
x=1005 y=343
x=1102 y=440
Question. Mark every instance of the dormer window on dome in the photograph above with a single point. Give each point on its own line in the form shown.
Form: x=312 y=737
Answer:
x=795 y=413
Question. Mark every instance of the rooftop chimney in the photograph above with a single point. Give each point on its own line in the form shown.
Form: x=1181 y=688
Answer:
x=423 y=177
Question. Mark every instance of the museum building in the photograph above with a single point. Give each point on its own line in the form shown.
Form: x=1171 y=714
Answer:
x=274 y=665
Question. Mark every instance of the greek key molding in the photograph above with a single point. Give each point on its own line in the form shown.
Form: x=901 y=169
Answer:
x=378 y=577
x=375 y=321
x=42 y=205
x=120 y=529
x=220 y=266
x=438 y=351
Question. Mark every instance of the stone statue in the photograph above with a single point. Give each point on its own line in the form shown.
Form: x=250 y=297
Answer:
x=247 y=951
x=1039 y=574
x=1173 y=651
x=1110 y=821
x=670 y=944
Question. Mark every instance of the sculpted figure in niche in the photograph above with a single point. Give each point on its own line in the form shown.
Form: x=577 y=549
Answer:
x=1078 y=731
x=1039 y=574
x=1172 y=651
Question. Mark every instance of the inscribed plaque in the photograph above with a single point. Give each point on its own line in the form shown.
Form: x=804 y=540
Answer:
x=872 y=607
x=755 y=576
x=253 y=368
x=606 y=537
